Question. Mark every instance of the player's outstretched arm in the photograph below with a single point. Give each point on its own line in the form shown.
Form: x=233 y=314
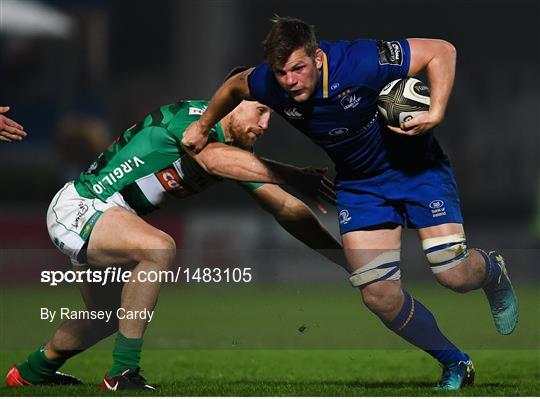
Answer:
x=311 y=183
x=298 y=219
x=234 y=163
x=9 y=129
x=438 y=58
x=227 y=97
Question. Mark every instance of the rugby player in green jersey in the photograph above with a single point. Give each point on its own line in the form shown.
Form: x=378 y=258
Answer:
x=88 y=220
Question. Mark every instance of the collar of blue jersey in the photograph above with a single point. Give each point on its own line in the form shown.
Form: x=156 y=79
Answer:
x=321 y=91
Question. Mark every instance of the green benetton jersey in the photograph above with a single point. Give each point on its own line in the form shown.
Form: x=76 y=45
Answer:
x=147 y=164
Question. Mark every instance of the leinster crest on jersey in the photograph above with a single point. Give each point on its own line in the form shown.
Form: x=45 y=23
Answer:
x=344 y=217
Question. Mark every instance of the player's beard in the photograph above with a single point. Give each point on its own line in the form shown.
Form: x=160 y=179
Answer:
x=239 y=134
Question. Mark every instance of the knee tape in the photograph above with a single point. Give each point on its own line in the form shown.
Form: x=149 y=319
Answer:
x=444 y=253
x=384 y=267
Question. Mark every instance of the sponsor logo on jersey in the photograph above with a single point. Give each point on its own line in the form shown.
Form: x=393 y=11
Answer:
x=93 y=166
x=87 y=228
x=173 y=183
x=390 y=53
x=169 y=179
x=338 y=131
x=344 y=217
x=83 y=208
x=437 y=208
x=58 y=243
x=196 y=111
x=293 y=113
x=436 y=204
x=334 y=86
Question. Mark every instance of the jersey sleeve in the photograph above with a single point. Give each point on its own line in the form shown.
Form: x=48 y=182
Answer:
x=378 y=62
x=261 y=83
x=250 y=186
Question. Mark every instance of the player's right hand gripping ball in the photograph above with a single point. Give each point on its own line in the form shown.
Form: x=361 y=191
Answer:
x=403 y=99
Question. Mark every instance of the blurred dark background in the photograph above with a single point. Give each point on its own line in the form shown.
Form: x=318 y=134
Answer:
x=78 y=73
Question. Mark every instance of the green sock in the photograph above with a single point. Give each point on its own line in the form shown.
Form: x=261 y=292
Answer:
x=38 y=368
x=126 y=354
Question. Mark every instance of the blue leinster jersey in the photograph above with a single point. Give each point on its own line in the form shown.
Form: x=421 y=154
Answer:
x=341 y=116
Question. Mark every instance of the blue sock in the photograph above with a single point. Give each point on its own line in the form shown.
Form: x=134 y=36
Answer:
x=416 y=325
x=492 y=269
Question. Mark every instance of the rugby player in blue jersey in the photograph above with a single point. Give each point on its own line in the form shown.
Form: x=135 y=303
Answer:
x=387 y=178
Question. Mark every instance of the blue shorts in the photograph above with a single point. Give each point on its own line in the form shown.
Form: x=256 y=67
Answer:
x=421 y=198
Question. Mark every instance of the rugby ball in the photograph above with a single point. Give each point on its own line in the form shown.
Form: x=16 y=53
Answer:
x=403 y=99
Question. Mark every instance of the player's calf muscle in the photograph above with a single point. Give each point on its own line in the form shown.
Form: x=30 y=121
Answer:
x=455 y=279
x=466 y=276
x=65 y=344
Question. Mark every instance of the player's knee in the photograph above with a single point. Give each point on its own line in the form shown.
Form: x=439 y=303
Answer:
x=382 y=298
x=167 y=243
x=370 y=278
x=159 y=249
x=450 y=48
x=445 y=253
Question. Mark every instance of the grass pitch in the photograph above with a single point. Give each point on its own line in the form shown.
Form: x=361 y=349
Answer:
x=300 y=373
x=249 y=342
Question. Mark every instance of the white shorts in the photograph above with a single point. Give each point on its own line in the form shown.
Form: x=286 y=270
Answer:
x=70 y=218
